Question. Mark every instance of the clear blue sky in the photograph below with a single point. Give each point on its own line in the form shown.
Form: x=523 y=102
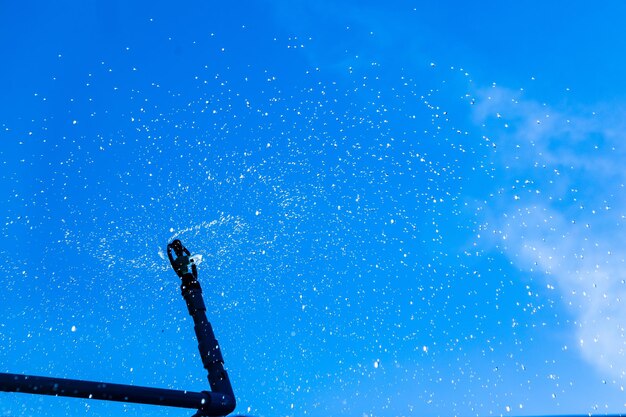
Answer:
x=403 y=209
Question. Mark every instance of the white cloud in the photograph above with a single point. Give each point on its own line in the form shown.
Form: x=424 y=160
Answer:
x=560 y=209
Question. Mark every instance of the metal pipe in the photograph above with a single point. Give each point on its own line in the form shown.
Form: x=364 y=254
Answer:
x=208 y=346
x=207 y=403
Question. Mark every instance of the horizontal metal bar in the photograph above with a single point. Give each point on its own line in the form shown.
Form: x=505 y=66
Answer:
x=208 y=403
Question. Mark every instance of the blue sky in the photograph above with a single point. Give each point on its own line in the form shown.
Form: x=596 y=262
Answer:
x=403 y=209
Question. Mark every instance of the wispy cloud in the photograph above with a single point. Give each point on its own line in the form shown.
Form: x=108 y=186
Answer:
x=560 y=208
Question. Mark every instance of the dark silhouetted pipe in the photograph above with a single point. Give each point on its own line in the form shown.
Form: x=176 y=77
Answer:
x=207 y=403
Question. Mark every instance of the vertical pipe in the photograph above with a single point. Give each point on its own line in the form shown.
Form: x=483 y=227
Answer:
x=208 y=346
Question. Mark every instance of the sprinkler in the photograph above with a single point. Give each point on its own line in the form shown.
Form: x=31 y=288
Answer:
x=219 y=401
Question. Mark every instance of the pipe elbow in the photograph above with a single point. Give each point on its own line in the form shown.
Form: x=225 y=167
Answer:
x=216 y=404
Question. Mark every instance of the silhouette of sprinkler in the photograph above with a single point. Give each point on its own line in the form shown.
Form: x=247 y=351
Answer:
x=220 y=401
x=207 y=344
